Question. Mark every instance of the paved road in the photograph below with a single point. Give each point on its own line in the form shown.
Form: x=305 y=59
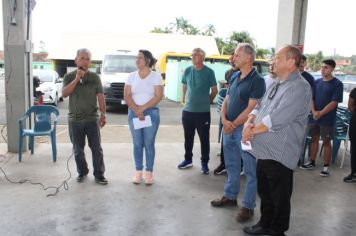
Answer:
x=170 y=112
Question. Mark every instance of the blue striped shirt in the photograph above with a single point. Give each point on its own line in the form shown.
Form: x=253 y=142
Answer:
x=285 y=115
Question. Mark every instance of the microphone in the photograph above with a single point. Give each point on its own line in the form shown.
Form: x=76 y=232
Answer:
x=81 y=79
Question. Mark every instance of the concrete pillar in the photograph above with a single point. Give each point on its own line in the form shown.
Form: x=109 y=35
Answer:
x=18 y=78
x=292 y=17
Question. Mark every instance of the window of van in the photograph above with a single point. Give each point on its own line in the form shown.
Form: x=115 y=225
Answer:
x=119 y=64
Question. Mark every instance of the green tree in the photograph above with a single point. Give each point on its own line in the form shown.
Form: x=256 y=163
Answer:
x=209 y=30
x=242 y=37
x=192 y=30
x=262 y=53
x=166 y=30
x=315 y=60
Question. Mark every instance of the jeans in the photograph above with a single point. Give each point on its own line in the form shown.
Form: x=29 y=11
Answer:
x=275 y=186
x=144 y=139
x=77 y=133
x=201 y=122
x=233 y=155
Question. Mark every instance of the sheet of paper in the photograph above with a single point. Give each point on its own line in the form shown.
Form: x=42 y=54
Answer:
x=246 y=147
x=139 y=124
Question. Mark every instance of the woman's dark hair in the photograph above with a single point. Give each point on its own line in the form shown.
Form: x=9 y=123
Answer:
x=149 y=59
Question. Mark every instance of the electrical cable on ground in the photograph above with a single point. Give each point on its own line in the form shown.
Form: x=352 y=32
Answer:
x=64 y=184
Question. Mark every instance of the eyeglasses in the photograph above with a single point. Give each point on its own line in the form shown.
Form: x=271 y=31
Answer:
x=273 y=91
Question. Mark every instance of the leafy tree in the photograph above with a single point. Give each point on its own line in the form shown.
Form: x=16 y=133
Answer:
x=209 y=30
x=242 y=37
x=315 y=60
x=262 y=53
x=166 y=30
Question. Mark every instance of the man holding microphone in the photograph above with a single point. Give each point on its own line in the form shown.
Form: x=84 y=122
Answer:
x=85 y=91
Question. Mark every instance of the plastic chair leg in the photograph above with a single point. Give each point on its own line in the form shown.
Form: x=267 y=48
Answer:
x=346 y=144
x=54 y=147
x=20 y=147
x=335 y=149
x=31 y=144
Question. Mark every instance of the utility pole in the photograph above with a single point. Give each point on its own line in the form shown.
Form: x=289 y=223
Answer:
x=18 y=64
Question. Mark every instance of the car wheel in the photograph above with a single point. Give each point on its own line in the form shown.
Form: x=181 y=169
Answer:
x=55 y=102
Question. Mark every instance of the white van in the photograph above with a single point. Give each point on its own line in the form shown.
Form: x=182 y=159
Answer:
x=114 y=71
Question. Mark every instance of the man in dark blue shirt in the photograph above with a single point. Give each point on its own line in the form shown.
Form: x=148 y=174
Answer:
x=246 y=87
x=327 y=93
x=308 y=77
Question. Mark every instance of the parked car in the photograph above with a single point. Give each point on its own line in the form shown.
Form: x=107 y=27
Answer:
x=50 y=85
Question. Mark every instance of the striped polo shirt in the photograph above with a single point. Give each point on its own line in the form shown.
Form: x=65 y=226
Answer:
x=284 y=110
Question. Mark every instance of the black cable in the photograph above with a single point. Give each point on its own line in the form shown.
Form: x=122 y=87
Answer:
x=22 y=181
x=2 y=133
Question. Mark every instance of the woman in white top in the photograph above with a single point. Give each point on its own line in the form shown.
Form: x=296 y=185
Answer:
x=143 y=91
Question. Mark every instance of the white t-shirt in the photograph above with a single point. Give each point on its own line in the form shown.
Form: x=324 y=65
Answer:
x=143 y=89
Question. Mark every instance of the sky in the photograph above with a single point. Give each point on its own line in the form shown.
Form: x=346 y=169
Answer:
x=329 y=22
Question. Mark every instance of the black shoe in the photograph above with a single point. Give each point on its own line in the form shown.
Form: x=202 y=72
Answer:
x=350 y=178
x=224 y=202
x=220 y=170
x=81 y=178
x=257 y=229
x=101 y=180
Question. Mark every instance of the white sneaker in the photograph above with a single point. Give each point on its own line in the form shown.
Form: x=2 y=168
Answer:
x=325 y=171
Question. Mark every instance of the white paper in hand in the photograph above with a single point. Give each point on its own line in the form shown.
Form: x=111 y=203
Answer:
x=139 y=124
x=246 y=146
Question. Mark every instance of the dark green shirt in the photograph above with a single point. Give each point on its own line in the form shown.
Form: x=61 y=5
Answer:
x=198 y=84
x=83 y=106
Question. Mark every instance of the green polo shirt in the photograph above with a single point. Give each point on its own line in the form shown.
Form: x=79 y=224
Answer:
x=198 y=84
x=83 y=106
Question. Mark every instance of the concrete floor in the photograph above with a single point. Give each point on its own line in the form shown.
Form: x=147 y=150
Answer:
x=177 y=204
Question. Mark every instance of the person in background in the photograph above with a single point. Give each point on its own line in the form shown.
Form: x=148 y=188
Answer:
x=327 y=93
x=305 y=74
x=198 y=80
x=352 y=134
x=228 y=74
x=85 y=92
x=143 y=91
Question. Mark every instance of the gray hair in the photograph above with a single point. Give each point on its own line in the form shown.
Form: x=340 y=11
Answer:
x=248 y=49
x=201 y=51
x=83 y=50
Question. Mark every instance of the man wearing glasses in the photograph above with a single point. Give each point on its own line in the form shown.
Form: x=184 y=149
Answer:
x=276 y=129
x=246 y=87
x=198 y=80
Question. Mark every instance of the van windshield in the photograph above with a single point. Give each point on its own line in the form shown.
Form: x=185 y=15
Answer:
x=119 y=64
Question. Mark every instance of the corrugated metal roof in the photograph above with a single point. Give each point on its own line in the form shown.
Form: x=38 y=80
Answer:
x=99 y=44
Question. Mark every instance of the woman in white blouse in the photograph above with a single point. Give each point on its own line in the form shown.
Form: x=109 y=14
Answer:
x=143 y=91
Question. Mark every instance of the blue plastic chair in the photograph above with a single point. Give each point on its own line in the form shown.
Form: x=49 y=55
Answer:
x=45 y=122
x=340 y=134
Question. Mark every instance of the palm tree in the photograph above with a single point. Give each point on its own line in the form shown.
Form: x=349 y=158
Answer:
x=192 y=30
x=242 y=37
x=181 y=25
x=209 y=30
